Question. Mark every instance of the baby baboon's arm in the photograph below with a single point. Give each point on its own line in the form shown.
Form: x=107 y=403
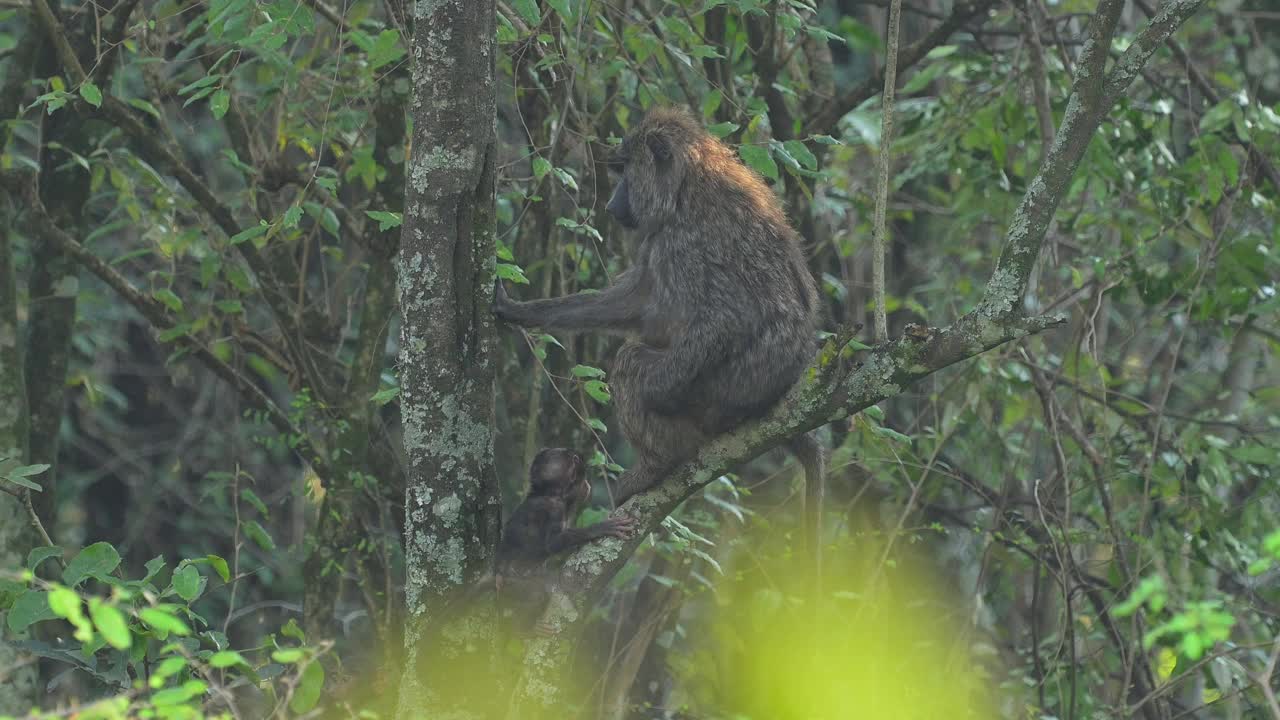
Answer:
x=570 y=538
x=617 y=309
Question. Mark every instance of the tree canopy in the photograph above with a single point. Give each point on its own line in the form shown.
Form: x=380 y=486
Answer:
x=259 y=428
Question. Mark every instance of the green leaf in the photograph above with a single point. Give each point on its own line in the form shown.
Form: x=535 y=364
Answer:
x=164 y=621
x=541 y=166
x=562 y=7
x=288 y=655
x=203 y=82
x=507 y=271
x=259 y=535
x=758 y=158
x=40 y=554
x=252 y=498
x=528 y=10
x=386 y=49
x=31 y=606
x=310 y=684
x=780 y=151
x=186 y=582
x=386 y=220
x=565 y=178
x=327 y=218
x=19 y=475
x=179 y=695
x=720 y=130
x=27 y=471
x=291 y=630
x=1218 y=116
x=598 y=391
x=292 y=216
x=586 y=371
x=891 y=434
x=91 y=93
x=65 y=603
x=801 y=153
x=226 y=659
x=23 y=482
x=153 y=566
x=167 y=668
x=826 y=140
x=711 y=103
x=111 y=623
x=858 y=345
x=219 y=102
x=97 y=560
x=250 y=233
x=384 y=396
x=168 y=298
x=145 y=107
x=220 y=566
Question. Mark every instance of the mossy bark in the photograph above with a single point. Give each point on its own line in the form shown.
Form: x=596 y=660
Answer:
x=445 y=284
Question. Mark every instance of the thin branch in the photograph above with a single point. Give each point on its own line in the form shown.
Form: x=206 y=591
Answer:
x=1039 y=75
x=158 y=153
x=1210 y=93
x=962 y=12
x=39 y=222
x=1093 y=94
x=880 y=324
x=329 y=13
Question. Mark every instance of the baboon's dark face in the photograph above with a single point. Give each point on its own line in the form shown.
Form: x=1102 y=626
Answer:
x=648 y=175
x=620 y=206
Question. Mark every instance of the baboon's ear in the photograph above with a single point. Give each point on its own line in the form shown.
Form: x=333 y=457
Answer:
x=660 y=146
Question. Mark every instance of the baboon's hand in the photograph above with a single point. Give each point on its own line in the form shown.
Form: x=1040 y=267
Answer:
x=619 y=527
x=502 y=303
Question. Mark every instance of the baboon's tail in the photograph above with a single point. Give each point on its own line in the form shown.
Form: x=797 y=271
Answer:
x=809 y=451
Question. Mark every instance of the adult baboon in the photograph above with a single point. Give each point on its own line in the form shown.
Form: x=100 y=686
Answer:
x=718 y=308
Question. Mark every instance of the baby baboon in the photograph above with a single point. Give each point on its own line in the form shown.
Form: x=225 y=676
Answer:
x=718 y=308
x=540 y=528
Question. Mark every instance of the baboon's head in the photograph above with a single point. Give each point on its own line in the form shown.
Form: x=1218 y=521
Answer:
x=559 y=472
x=651 y=161
x=670 y=164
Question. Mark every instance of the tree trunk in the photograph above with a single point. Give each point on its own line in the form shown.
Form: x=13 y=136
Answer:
x=452 y=510
x=17 y=672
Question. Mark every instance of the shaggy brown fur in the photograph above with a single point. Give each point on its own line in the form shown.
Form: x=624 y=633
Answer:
x=719 y=308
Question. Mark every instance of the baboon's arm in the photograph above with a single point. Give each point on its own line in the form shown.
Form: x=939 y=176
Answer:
x=616 y=309
x=569 y=538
